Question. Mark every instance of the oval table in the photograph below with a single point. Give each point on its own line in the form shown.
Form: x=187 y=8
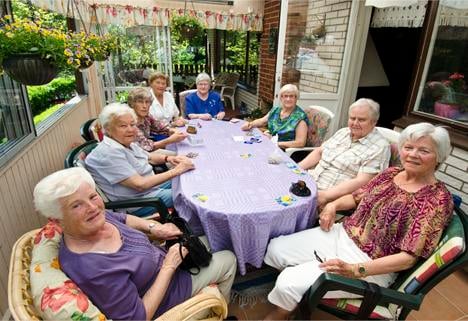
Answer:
x=237 y=188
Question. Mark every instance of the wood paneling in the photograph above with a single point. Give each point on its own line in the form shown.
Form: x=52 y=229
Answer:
x=18 y=178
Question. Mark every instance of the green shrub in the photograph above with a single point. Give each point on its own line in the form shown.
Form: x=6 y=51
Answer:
x=45 y=96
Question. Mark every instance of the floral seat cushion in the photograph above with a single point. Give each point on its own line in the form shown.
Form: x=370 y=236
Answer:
x=318 y=127
x=55 y=296
x=451 y=246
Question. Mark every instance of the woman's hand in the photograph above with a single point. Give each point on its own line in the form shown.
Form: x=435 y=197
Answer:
x=179 y=122
x=205 y=116
x=327 y=217
x=173 y=258
x=267 y=134
x=174 y=160
x=166 y=231
x=184 y=166
x=338 y=266
x=247 y=126
x=177 y=137
x=220 y=115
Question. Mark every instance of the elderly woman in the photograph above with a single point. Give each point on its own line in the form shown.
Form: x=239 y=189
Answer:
x=288 y=120
x=400 y=215
x=110 y=258
x=122 y=169
x=140 y=99
x=163 y=107
x=204 y=103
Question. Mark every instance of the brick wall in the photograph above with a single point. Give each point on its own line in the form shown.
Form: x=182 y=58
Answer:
x=454 y=173
x=322 y=72
x=268 y=60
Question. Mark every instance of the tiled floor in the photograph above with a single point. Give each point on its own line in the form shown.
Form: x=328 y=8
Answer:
x=447 y=301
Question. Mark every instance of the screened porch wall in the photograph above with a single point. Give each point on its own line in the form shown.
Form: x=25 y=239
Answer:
x=17 y=180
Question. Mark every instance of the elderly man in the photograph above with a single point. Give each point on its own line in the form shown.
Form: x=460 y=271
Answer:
x=351 y=157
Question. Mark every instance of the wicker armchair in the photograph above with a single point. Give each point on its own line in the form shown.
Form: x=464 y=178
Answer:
x=22 y=308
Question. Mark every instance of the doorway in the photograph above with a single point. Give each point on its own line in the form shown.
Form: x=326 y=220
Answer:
x=397 y=49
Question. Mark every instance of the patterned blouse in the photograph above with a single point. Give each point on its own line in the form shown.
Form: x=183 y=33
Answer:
x=285 y=128
x=389 y=220
x=147 y=127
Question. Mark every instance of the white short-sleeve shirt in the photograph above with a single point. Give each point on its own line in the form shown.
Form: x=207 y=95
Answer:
x=166 y=112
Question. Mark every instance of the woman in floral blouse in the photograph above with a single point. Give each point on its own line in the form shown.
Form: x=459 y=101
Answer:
x=400 y=216
x=140 y=99
x=287 y=121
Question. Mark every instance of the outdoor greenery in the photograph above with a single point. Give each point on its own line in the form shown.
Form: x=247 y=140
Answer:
x=236 y=44
x=37 y=119
x=187 y=50
x=58 y=90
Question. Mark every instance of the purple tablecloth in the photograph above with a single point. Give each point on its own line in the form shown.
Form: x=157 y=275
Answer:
x=241 y=213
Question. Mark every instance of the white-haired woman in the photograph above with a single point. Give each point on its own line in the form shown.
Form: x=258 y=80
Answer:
x=122 y=169
x=204 y=103
x=400 y=215
x=288 y=121
x=112 y=261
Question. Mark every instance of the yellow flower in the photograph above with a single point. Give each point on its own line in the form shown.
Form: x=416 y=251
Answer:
x=37 y=268
x=101 y=317
x=9 y=35
x=55 y=263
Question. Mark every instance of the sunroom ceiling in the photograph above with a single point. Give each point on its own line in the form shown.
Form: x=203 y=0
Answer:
x=241 y=15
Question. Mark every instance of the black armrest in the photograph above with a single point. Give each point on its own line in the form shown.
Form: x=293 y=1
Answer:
x=140 y=202
x=331 y=282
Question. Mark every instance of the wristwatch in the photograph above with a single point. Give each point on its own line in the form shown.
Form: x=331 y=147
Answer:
x=361 y=270
x=150 y=226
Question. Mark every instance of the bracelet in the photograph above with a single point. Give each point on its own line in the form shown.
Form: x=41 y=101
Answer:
x=165 y=158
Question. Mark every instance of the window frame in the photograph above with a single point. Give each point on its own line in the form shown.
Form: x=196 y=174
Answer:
x=458 y=132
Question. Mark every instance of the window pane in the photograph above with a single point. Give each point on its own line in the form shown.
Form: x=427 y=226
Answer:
x=315 y=43
x=444 y=92
x=14 y=122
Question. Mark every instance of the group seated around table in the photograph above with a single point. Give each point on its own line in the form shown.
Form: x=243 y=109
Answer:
x=399 y=216
x=140 y=99
x=352 y=156
x=110 y=258
x=163 y=106
x=122 y=168
x=204 y=104
x=287 y=121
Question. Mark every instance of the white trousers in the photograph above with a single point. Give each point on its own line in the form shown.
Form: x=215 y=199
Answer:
x=294 y=256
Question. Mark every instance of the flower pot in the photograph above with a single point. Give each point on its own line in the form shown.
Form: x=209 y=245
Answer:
x=446 y=110
x=30 y=70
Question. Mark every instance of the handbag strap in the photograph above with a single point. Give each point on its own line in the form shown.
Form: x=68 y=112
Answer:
x=188 y=270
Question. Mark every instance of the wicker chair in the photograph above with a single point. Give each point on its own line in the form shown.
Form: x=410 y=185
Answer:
x=22 y=308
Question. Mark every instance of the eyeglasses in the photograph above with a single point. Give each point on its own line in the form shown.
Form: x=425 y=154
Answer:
x=288 y=96
x=318 y=257
x=203 y=84
x=144 y=101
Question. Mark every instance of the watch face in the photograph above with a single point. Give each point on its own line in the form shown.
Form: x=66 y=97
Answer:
x=362 y=270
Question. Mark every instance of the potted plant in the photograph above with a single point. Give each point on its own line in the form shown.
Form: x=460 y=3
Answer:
x=187 y=26
x=32 y=54
x=454 y=99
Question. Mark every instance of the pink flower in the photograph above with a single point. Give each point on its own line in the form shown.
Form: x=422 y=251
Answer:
x=57 y=297
x=48 y=231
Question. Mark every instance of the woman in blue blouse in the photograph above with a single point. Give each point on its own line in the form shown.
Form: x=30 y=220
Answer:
x=204 y=104
x=288 y=121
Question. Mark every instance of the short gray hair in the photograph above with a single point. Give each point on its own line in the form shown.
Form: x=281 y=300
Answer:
x=138 y=93
x=374 y=107
x=289 y=88
x=114 y=110
x=439 y=135
x=203 y=77
x=52 y=188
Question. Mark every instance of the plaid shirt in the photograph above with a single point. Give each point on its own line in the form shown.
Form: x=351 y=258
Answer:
x=342 y=159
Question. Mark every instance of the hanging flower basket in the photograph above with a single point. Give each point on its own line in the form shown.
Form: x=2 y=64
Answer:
x=187 y=26
x=30 y=69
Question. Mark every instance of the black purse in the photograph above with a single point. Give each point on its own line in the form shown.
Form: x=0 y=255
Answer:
x=198 y=255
